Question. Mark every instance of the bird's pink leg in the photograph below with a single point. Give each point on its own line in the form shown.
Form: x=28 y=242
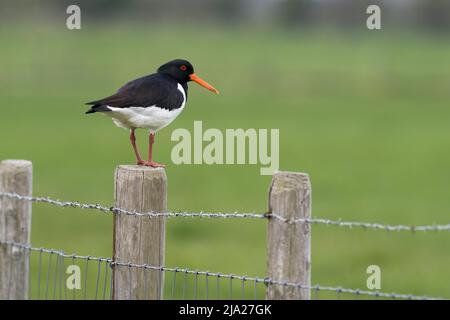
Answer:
x=136 y=151
x=150 y=162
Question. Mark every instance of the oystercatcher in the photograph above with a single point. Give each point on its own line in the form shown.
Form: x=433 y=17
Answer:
x=150 y=102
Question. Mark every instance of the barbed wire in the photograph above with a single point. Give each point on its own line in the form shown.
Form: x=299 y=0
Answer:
x=266 y=281
x=367 y=225
x=236 y=214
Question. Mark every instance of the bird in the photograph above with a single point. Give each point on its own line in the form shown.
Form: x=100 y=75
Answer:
x=150 y=102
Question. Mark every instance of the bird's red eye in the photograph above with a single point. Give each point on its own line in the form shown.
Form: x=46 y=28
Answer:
x=183 y=68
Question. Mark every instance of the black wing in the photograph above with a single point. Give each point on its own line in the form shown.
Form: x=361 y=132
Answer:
x=153 y=90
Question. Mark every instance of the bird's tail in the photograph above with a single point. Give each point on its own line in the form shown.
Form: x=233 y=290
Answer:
x=97 y=107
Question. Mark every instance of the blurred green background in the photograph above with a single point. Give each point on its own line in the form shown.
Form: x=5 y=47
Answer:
x=365 y=113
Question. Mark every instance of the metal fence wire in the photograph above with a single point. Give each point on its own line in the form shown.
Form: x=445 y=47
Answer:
x=51 y=270
x=232 y=215
x=51 y=280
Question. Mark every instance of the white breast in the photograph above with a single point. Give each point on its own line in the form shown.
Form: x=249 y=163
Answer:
x=151 y=117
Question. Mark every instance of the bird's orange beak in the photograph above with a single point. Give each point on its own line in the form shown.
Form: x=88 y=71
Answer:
x=203 y=83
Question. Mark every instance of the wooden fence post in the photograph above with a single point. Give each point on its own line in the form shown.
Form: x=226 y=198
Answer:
x=288 y=245
x=15 y=225
x=139 y=239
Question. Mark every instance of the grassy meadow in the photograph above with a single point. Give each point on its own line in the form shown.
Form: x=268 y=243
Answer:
x=367 y=116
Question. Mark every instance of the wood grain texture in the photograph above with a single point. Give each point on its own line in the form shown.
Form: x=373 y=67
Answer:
x=289 y=245
x=139 y=239
x=15 y=225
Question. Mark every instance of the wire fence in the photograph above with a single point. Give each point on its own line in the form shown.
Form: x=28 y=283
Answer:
x=50 y=282
x=231 y=215
x=49 y=265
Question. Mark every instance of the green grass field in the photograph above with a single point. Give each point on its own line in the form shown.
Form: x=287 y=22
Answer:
x=365 y=115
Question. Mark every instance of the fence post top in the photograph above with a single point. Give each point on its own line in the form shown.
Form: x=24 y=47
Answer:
x=289 y=173
x=131 y=167
x=13 y=163
x=147 y=172
x=288 y=180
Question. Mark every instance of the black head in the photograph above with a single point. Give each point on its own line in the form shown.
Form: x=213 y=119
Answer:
x=178 y=69
x=182 y=71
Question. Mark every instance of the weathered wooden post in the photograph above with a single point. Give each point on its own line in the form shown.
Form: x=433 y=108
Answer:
x=139 y=239
x=288 y=244
x=15 y=225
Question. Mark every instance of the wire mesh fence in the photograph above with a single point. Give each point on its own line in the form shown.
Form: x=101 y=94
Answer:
x=56 y=274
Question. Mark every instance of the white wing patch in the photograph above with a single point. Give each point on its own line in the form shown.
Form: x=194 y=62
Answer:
x=151 y=117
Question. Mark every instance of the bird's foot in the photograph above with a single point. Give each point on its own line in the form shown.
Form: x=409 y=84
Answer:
x=150 y=164
x=155 y=164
